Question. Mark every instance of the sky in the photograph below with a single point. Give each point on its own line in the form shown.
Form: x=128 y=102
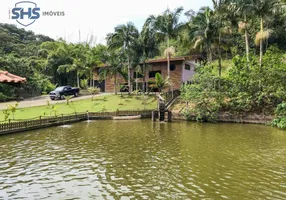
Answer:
x=93 y=17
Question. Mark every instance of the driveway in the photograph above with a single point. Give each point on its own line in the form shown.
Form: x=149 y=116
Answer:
x=42 y=100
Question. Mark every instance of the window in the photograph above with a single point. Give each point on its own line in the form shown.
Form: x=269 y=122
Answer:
x=139 y=75
x=153 y=73
x=187 y=67
x=172 y=67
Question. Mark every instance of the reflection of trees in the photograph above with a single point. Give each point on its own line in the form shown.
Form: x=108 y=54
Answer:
x=138 y=155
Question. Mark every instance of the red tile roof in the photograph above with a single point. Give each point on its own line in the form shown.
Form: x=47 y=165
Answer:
x=6 y=77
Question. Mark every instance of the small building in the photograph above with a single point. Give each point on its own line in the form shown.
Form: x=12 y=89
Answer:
x=182 y=69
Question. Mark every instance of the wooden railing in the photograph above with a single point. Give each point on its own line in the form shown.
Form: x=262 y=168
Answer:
x=23 y=125
x=170 y=96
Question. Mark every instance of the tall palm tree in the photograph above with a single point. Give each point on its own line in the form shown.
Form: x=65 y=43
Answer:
x=78 y=54
x=168 y=53
x=240 y=10
x=262 y=9
x=113 y=59
x=124 y=36
x=201 y=30
x=167 y=26
x=221 y=14
x=148 y=48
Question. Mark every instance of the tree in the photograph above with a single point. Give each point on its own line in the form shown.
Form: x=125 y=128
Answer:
x=112 y=58
x=221 y=11
x=79 y=54
x=124 y=36
x=168 y=53
x=201 y=31
x=161 y=82
x=240 y=9
x=146 y=47
x=263 y=9
x=167 y=26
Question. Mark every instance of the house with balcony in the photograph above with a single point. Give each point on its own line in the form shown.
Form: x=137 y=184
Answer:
x=182 y=69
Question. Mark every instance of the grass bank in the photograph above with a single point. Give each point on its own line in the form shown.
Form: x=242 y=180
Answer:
x=98 y=104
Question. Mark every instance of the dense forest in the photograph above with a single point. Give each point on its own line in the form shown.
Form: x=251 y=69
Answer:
x=242 y=41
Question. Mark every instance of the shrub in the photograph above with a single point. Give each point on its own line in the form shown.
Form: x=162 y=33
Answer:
x=84 y=83
x=2 y=97
x=280 y=116
x=93 y=91
x=47 y=86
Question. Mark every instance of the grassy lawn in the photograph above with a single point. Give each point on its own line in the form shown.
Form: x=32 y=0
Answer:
x=99 y=104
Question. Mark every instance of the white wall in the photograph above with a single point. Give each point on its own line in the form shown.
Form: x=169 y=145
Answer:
x=188 y=74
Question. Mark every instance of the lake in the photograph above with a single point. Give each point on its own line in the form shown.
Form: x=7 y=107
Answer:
x=144 y=160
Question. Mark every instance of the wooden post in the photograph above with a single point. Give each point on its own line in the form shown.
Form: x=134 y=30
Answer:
x=9 y=124
x=161 y=108
x=40 y=120
x=169 y=116
x=87 y=115
x=154 y=115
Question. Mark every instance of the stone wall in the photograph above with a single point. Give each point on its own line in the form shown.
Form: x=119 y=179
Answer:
x=228 y=117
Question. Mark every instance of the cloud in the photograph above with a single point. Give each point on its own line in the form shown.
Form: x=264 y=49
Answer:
x=94 y=17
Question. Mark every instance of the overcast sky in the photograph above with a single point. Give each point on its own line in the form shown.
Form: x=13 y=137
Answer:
x=94 y=17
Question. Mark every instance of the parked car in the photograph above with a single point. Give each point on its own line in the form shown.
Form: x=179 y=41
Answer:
x=61 y=92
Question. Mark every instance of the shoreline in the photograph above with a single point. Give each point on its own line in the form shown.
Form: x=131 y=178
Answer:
x=228 y=117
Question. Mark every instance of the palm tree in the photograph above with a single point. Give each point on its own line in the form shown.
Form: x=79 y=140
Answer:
x=262 y=9
x=78 y=55
x=168 y=53
x=114 y=66
x=167 y=26
x=201 y=31
x=221 y=14
x=124 y=36
x=161 y=82
x=240 y=10
x=148 y=48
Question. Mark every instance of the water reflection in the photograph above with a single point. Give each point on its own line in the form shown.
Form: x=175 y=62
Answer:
x=142 y=159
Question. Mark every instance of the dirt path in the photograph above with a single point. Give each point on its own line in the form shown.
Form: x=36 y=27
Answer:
x=42 y=100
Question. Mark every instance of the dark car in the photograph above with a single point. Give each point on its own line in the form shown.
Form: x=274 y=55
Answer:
x=61 y=92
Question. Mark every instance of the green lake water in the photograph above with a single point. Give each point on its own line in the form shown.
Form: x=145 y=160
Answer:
x=144 y=160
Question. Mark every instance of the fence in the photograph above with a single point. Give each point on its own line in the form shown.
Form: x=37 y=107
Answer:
x=41 y=122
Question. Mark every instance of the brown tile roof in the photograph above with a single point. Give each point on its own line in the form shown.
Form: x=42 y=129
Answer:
x=10 y=78
x=158 y=60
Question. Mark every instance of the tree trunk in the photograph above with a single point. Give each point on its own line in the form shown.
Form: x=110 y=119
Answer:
x=77 y=79
x=91 y=78
x=246 y=40
x=246 y=45
x=129 y=78
x=168 y=65
x=219 y=54
x=210 y=58
x=144 y=77
x=115 y=83
x=168 y=58
x=136 y=81
x=261 y=42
